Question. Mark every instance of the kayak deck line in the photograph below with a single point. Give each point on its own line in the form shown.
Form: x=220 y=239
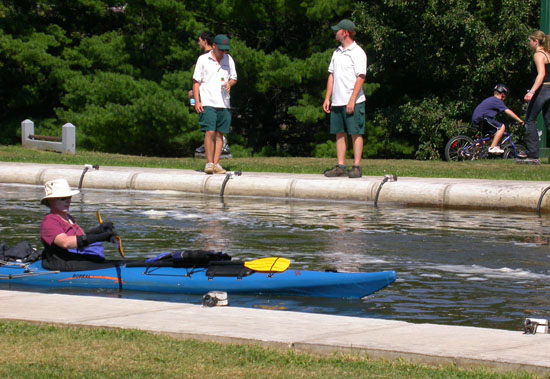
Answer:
x=26 y=273
x=150 y=270
x=15 y=276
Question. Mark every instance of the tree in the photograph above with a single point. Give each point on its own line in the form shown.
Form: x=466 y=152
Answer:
x=435 y=60
x=34 y=35
x=120 y=71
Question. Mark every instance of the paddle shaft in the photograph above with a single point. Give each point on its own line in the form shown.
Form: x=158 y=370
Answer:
x=116 y=238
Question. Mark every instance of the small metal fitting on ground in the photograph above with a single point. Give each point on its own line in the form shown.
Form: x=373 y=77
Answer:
x=215 y=299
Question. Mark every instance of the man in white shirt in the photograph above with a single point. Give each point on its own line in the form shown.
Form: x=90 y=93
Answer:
x=213 y=78
x=205 y=41
x=347 y=71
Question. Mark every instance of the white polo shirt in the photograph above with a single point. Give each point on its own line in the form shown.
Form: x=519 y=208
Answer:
x=345 y=66
x=211 y=75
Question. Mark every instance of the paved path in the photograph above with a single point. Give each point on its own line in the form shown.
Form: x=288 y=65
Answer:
x=446 y=193
x=385 y=339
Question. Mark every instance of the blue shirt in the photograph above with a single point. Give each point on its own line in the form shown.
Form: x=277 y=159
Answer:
x=489 y=108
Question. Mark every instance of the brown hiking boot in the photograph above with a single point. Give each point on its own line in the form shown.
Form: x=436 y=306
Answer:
x=355 y=172
x=336 y=171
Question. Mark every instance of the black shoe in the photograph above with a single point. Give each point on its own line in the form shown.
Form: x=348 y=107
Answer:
x=336 y=172
x=355 y=172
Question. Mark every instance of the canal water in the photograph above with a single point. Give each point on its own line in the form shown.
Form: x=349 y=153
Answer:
x=475 y=268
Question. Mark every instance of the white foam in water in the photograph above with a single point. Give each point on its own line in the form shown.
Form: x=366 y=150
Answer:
x=502 y=273
x=154 y=214
x=186 y=216
x=527 y=244
x=431 y=275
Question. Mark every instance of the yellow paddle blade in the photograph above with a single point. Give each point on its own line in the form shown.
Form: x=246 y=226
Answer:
x=272 y=264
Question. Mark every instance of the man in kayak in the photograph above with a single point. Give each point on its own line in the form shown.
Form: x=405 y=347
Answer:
x=66 y=246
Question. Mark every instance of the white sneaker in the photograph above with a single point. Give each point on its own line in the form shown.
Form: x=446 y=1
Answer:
x=209 y=168
x=218 y=169
x=496 y=150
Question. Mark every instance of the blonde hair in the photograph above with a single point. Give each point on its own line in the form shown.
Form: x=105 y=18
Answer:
x=542 y=38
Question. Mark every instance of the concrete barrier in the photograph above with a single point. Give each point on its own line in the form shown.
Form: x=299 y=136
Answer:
x=442 y=193
x=67 y=144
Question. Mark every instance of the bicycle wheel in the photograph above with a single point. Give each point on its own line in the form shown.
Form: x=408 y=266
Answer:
x=458 y=149
x=509 y=151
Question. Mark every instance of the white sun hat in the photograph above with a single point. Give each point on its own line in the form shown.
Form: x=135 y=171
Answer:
x=58 y=188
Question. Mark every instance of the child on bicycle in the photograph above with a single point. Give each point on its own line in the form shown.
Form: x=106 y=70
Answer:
x=488 y=109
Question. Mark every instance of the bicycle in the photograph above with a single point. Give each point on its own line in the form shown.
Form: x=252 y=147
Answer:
x=463 y=148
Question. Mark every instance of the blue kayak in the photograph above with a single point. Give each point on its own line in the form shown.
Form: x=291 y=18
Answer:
x=140 y=277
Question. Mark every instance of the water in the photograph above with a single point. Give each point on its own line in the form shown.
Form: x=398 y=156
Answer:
x=475 y=268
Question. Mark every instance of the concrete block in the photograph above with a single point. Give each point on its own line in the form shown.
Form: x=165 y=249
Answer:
x=67 y=144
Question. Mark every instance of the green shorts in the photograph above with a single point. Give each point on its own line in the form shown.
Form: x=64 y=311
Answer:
x=215 y=119
x=352 y=124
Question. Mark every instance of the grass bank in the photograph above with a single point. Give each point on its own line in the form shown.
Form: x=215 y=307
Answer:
x=484 y=169
x=45 y=351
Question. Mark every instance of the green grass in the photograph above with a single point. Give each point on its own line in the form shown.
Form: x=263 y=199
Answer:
x=45 y=351
x=482 y=169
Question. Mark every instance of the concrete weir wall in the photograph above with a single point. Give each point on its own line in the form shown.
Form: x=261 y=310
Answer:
x=443 y=193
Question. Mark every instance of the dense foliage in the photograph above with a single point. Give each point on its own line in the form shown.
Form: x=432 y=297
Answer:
x=120 y=71
x=437 y=59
